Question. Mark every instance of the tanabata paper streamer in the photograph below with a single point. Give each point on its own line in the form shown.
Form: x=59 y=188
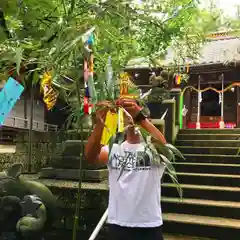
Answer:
x=115 y=121
x=90 y=97
x=178 y=79
x=9 y=95
x=49 y=94
x=110 y=128
x=120 y=120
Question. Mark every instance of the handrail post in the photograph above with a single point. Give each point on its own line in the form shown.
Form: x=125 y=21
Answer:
x=99 y=226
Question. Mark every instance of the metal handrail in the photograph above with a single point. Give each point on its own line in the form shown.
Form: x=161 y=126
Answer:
x=25 y=123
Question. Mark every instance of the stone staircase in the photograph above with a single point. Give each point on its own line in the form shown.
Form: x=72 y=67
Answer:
x=210 y=179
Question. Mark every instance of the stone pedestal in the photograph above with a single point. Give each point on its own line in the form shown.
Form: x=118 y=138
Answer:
x=67 y=165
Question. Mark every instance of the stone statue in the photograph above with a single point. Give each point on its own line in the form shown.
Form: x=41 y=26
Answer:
x=26 y=207
x=160 y=87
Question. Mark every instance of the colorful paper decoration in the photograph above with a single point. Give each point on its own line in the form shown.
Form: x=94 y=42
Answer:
x=127 y=87
x=120 y=120
x=110 y=128
x=49 y=94
x=116 y=120
x=88 y=78
x=9 y=95
x=178 y=79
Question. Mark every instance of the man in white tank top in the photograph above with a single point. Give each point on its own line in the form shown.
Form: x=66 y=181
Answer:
x=134 y=210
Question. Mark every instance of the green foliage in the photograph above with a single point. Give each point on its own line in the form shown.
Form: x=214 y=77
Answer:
x=48 y=35
x=49 y=32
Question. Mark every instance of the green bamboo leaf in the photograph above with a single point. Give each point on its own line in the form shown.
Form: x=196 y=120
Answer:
x=161 y=148
x=167 y=163
x=177 y=185
x=175 y=150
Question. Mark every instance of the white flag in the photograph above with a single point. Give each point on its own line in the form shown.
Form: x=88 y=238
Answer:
x=220 y=98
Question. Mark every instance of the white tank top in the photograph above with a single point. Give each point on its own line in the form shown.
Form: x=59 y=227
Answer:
x=134 y=199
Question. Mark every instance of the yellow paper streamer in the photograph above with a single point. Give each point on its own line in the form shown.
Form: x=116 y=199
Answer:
x=49 y=95
x=125 y=83
x=120 y=120
x=110 y=128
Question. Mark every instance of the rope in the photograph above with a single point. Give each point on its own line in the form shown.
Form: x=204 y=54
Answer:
x=200 y=91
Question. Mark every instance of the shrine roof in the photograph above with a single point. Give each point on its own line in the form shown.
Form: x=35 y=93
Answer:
x=219 y=48
x=213 y=52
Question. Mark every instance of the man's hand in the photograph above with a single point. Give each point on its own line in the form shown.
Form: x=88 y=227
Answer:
x=130 y=105
x=102 y=109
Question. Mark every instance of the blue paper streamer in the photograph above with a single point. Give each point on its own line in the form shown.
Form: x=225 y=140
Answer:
x=9 y=95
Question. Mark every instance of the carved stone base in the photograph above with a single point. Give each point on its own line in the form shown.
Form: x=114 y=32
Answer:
x=73 y=174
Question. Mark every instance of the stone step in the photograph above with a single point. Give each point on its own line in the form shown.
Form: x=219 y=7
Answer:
x=210 y=131
x=208 y=136
x=74 y=174
x=202 y=192
x=208 y=150
x=209 y=143
x=202 y=226
x=74 y=147
x=201 y=207
x=216 y=168
x=72 y=162
x=206 y=179
x=182 y=237
x=212 y=158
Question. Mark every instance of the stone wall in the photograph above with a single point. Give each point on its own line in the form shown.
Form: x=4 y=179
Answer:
x=44 y=146
x=93 y=205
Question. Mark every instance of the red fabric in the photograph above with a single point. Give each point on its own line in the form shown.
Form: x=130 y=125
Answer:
x=87 y=106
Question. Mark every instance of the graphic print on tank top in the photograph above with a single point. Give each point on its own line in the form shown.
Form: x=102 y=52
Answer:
x=130 y=159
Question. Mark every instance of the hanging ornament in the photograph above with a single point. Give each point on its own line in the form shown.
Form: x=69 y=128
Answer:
x=199 y=96
x=220 y=97
x=90 y=93
x=110 y=128
x=178 y=79
x=184 y=111
x=49 y=94
x=120 y=120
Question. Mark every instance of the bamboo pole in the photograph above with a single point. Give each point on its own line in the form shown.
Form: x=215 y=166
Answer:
x=30 y=130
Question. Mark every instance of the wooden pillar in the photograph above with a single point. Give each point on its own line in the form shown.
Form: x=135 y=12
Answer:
x=198 y=125
x=238 y=107
x=221 y=123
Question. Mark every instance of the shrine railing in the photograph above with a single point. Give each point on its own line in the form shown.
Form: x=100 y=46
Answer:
x=22 y=123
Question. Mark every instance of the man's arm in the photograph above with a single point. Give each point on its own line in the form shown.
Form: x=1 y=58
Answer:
x=133 y=108
x=94 y=151
x=153 y=131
